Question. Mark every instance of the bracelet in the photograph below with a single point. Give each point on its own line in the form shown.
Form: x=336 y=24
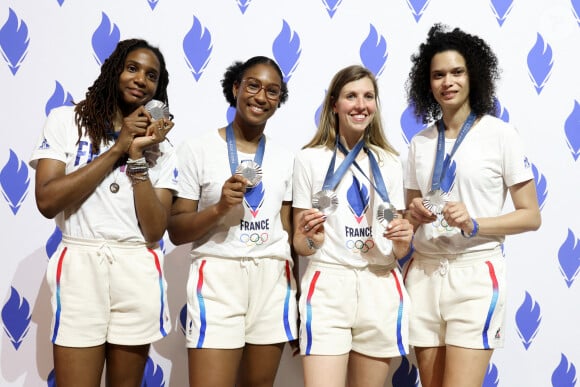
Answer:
x=311 y=245
x=139 y=178
x=474 y=231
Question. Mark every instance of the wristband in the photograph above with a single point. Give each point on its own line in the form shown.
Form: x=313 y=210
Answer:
x=474 y=231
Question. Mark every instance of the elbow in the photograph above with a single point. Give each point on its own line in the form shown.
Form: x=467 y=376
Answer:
x=46 y=209
x=174 y=238
x=536 y=223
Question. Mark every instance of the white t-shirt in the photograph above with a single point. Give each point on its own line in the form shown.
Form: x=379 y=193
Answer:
x=353 y=235
x=103 y=215
x=490 y=159
x=254 y=227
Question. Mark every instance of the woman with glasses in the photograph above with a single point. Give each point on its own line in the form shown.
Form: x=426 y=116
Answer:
x=348 y=186
x=234 y=206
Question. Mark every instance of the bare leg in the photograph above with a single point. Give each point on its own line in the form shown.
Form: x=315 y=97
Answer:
x=325 y=371
x=465 y=367
x=213 y=367
x=125 y=364
x=366 y=371
x=431 y=361
x=78 y=366
x=259 y=365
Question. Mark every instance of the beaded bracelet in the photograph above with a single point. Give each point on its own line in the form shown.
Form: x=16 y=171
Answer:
x=474 y=231
x=138 y=177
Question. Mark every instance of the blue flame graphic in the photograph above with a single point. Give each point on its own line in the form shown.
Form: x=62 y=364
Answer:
x=58 y=98
x=410 y=124
x=153 y=375
x=528 y=320
x=105 y=39
x=53 y=241
x=331 y=6
x=501 y=112
x=540 y=63
x=60 y=2
x=51 y=379
x=541 y=186
x=449 y=178
x=406 y=375
x=357 y=197
x=373 y=52
x=572 y=130
x=319 y=110
x=501 y=9
x=183 y=318
x=491 y=377
x=569 y=258
x=16 y=318
x=14 y=182
x=152 y=4
x=243 y=5
x=254 y=198
x=197 y=47
x=286 y=49
x=14 y=41
x=418 y=7
x=576 y=10
x=565 y=374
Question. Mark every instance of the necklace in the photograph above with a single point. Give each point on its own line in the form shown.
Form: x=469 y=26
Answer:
x=114 y=186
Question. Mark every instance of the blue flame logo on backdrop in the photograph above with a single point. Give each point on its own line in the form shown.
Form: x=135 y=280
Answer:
x=572 y=130
x=528 y=318
x=373 y=52
x=105 y=39
x=491 y=377
x=197 y=46
x=287 y=50
x=16 y=318
x=501 y=9
x=417 y=8
x=14 y=182
x=541 y=186
x=60 y=97
x=569 y=258
x=152 y=375
x=53 y=241
x=243 y=5
x=501 y=112
x=357 y=197
x=152 y=4
x=14 y=41
x=565 y=374
x=411 y=124
x=406 y=375
x=576 y=10
x=51 y=379
x=331 y=6
x=540 y=62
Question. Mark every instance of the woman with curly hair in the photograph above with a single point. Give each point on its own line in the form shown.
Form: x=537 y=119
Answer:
x=348 y=188
x=104 y=172
x=234 y=207
x=459 y=172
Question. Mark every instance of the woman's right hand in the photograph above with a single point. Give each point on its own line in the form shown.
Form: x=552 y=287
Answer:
x=420 y=214
x=311 y=225
x=134 y=125
x=233 y=192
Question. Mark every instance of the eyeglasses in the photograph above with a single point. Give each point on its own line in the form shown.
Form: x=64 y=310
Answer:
x=254 y=86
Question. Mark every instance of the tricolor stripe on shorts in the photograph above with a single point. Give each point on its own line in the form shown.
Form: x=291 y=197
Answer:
x=287 y=302
x=492 y=305
x=399 y=315
x=58 y=304
x=161 y=292
x=309 y=312
x=201 y=303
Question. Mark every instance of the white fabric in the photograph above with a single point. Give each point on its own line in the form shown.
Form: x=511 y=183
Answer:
x=490 y=159
x=245 y=231
x=346 y=228
x=103 y=215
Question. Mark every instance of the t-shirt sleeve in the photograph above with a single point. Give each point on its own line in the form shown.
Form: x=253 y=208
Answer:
x=517 y=167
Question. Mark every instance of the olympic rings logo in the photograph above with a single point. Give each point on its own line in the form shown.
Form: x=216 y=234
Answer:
x=254 y=239
x=441 y=226
x=359 y=245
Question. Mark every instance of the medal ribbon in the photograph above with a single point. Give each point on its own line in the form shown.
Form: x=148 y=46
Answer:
x=333 y=178
x=440 y=165
x=233 y=152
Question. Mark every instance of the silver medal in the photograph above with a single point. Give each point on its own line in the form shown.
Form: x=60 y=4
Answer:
x=325 y=201
x=251 y=171
x=435 y=200
x=114 y=187
x=386 y=213
x=157 y=109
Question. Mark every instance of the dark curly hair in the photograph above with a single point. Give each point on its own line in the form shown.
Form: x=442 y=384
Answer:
x=482 y=68
x=97 y=111
x=235 y=73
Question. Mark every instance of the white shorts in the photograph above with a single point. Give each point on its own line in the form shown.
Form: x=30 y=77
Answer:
x=342 y=308
x=105 y=291
x=458 y=300
x=231 y=302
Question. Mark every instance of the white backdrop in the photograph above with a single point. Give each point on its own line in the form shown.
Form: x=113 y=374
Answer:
x=52 y=50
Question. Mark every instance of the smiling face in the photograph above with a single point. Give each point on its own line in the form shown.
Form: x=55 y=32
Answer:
x=139 y=78
x=255 y=95
x=450 y=81
x=355 y=108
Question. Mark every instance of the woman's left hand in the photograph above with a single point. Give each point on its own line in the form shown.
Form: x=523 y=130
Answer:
x=400 y=232
x=156 y=133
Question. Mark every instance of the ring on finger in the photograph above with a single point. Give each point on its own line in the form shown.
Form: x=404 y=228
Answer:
x=307 y=228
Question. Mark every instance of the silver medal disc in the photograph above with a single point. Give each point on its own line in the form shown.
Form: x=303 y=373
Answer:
x=157 y=109
x=325 y=201
x=251 y=171
x=435 y=200
x=386 y=213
